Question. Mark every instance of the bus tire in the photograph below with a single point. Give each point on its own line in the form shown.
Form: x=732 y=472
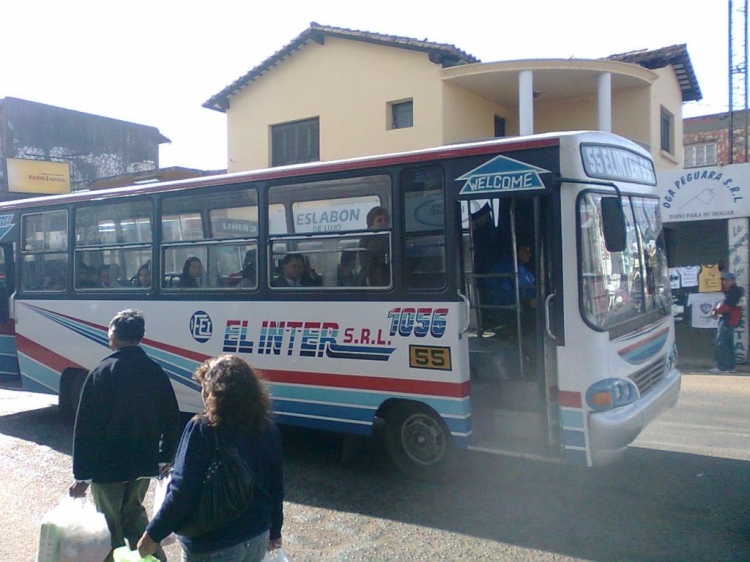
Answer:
x=418 y=441
x=71 y=385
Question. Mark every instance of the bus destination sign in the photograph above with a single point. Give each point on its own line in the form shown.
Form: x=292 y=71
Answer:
x=616 y=163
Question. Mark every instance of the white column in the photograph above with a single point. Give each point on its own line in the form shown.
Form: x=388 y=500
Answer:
x=526 y=102
x=604 y=97
x=739 y=248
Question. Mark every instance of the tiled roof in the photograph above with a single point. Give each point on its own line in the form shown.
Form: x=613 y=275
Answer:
x=439 y=53
x=676 y=56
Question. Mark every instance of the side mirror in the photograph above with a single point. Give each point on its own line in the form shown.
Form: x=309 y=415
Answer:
x=613 y=224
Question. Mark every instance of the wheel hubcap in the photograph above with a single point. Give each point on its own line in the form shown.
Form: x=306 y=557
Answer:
x=423 y=439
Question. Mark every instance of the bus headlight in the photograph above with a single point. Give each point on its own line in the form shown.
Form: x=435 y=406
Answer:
x=608 y=394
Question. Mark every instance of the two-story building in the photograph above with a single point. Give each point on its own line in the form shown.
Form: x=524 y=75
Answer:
x=336 y=93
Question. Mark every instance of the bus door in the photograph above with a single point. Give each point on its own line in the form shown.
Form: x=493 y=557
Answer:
x=511 y=351
x=8 y=351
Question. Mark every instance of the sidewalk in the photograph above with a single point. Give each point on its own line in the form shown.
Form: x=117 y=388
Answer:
x=692 y=366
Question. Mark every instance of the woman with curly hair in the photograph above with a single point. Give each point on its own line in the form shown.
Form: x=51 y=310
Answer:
x=237 y=408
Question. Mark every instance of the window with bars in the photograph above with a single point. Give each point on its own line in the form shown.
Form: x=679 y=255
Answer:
x=295 y=142
x=402 y=114
x=704 y=154
x=667 y=131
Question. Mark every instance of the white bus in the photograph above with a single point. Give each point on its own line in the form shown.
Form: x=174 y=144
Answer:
x=569 y=364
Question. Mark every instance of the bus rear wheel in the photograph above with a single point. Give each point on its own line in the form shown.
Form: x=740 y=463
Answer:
x=418 y=441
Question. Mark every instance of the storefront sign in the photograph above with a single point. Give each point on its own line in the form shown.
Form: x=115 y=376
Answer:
x=38 y=176
x=716 y=192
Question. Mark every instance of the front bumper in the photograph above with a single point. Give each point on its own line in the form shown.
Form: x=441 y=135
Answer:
x=611 y=432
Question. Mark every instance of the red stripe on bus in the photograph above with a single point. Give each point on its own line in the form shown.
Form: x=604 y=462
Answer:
x=179 y=351
x=570 y=399
x=642 y=342
x=44 y=355
x=361 y=382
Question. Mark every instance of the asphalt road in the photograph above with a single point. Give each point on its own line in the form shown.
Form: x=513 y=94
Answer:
x=681 y=493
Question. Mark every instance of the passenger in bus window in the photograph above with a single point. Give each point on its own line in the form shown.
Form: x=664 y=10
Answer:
x=192 y=273
x=502 y=290
x=86 y=276
x=310 y=277
x=55 y=279
x=373 y=258
x=248 y=270
x=292 y=268
x=348 y=271
x=106 y=279
x=143 y=279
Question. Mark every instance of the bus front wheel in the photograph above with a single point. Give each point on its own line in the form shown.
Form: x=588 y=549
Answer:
x=418 y=441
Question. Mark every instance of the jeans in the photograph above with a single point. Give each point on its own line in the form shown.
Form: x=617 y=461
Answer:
x=252 y=550
x=724 y=347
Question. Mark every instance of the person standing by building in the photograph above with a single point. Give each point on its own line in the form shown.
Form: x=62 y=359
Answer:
x=729 y=312
x=127 y=429
x=238 y=413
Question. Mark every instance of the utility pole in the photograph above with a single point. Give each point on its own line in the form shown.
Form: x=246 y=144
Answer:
x=738 y=91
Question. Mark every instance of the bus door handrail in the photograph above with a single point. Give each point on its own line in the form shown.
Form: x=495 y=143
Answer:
x=547 y=326
x=468 y=314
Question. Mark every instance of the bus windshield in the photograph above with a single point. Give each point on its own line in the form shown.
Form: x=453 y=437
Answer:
x=619 y=287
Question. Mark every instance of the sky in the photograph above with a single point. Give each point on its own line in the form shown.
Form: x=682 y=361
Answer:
x=155 y=62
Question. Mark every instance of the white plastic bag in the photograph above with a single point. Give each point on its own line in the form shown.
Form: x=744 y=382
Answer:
x=160 y=492
x=124 y=554
x=277 y=555
x=74 y=532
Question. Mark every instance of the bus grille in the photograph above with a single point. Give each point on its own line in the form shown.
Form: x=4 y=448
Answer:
x=650 y=376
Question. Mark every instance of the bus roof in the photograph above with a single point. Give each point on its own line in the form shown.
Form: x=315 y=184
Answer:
x=312 y=168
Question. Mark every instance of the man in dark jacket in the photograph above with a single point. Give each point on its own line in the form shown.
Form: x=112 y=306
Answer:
x=729 y=312
x=126 y=430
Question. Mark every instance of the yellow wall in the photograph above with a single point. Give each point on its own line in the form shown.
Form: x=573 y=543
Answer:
x=348 y=85
x=578 y=114
x=631 y=114
x=666 y=92
x=468 y=117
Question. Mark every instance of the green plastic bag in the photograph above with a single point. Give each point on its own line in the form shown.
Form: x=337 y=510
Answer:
x=124 y=554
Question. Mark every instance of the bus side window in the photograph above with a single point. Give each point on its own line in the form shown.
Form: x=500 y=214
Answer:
x=424 y=228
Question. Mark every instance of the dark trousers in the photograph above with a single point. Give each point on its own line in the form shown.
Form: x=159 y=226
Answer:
x=121 y=503
x=724 y=347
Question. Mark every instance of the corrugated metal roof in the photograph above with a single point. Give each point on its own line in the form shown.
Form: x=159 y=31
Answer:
x=677 y=56
x=439 y=53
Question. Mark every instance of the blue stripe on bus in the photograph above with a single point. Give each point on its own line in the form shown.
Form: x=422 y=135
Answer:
x=39 y=374
x=343 y=426
x=30 y=385
x=8 y=364
x=8 y=345
x=326 y=424
x=571 y=418
x=460 y=427
x=362 y=398
x=94 y=334
x=574 y=438
x=576 y=457
x=336 y=411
